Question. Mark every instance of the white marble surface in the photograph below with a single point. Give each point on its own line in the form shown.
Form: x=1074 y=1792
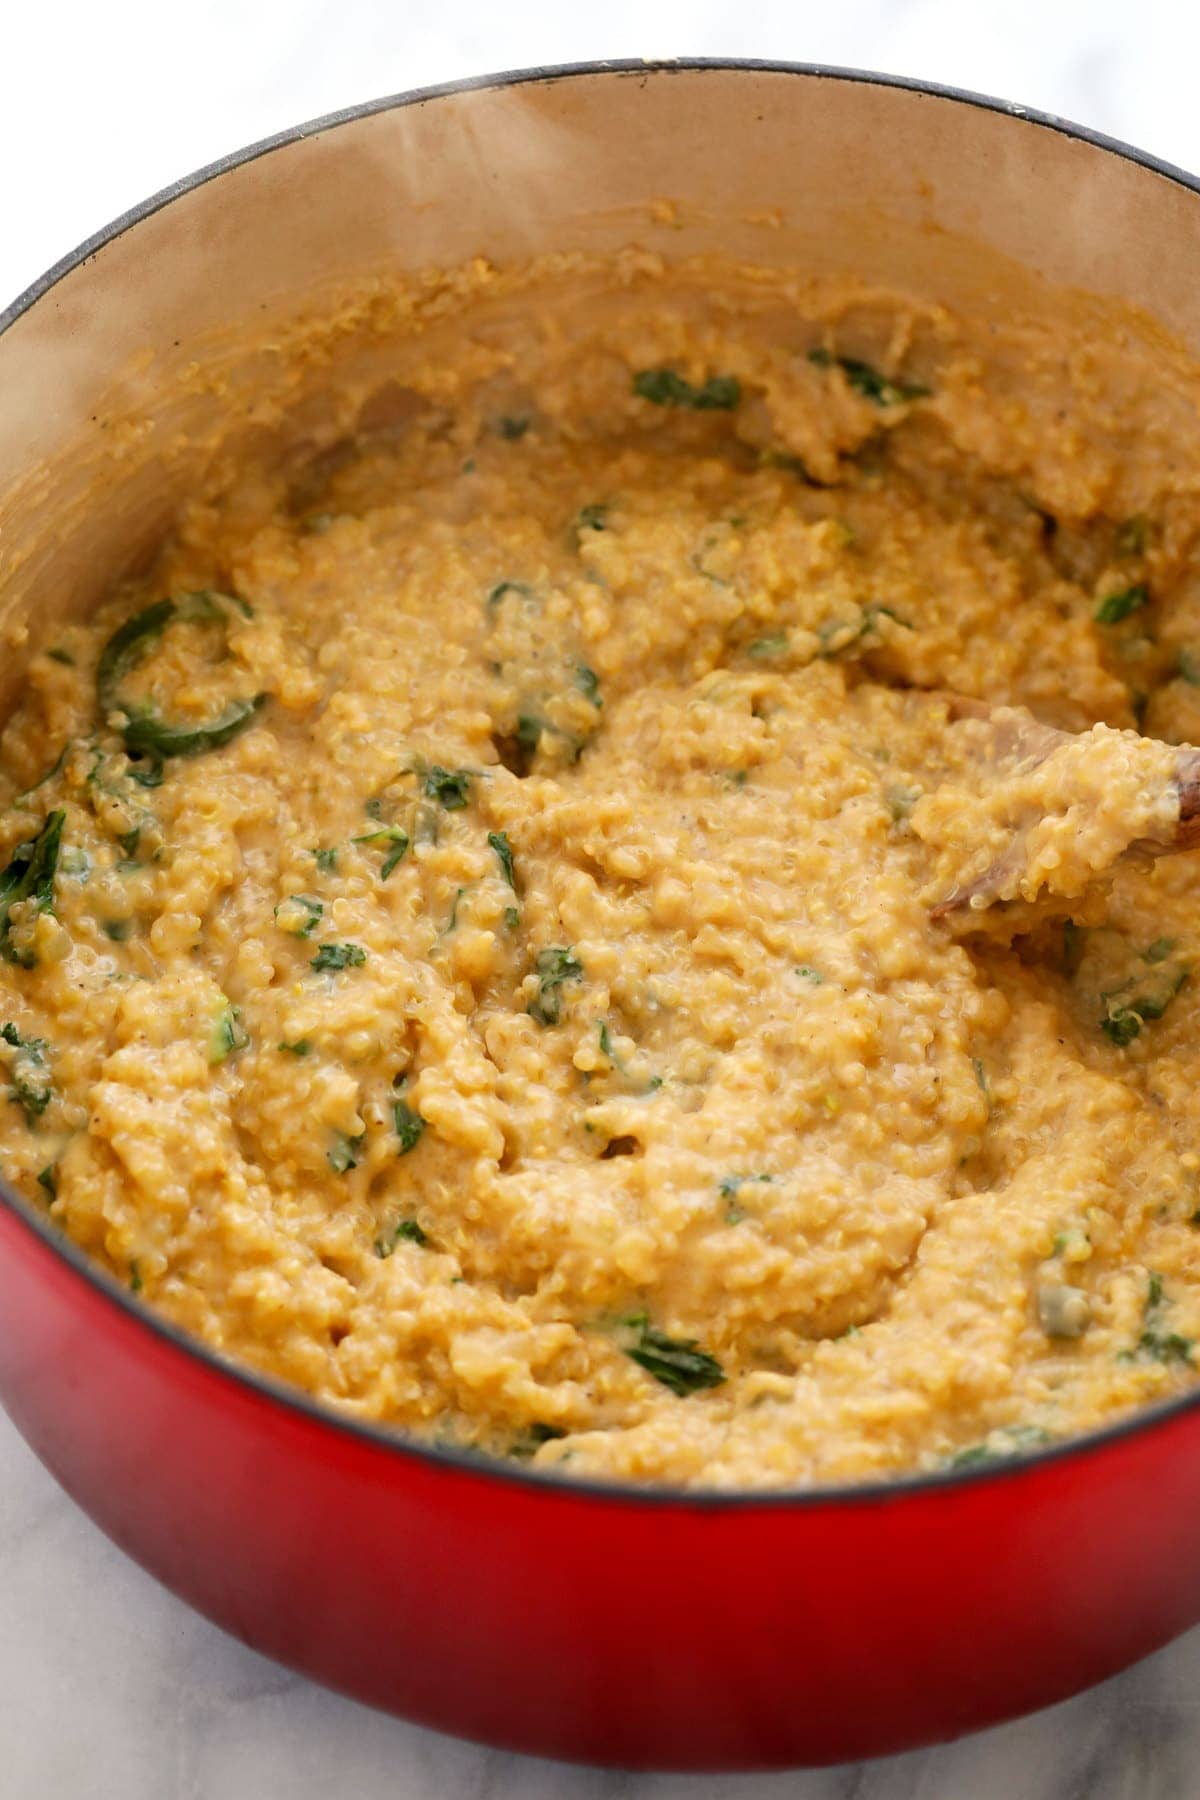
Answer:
x=111 y=1689
x=108 y=1686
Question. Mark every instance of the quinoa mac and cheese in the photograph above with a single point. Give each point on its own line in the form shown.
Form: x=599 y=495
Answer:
x=466 y=914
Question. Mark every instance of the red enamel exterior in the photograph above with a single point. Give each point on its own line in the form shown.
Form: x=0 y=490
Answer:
x=647 y=1632
x=591 y=1623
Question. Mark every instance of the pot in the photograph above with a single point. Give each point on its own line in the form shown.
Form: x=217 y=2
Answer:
x=585 y=1621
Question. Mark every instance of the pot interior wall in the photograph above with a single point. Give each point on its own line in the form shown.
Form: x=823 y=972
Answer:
x=121 y=381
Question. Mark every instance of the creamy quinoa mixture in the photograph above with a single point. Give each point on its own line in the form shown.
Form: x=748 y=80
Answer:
x=466 y=913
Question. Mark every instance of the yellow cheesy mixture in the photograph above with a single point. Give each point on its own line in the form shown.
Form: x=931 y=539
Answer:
x=465 y=915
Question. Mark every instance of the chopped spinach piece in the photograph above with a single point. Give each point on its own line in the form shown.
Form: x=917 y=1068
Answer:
x=338 y=956
x=28 y=1073
x=406 y=1232
x=681 y=1364
x=1159 y=950
x=32 y=1100
x=105 y=778
x=498 y=841
x=531 y=729
x=135 y=1278
x=868 y=381
x=1124 y=1017
x=54 y=769
x=588 y=683
x=765 y=647
x=900 y=802
x=326 y=860
x=409 y=1125
x=451 y=788
x=1011 y=1440
x=513 y=426
x=1121 y=1026
x=59 y=655
x=299 y=914
x=813 y=976
x=228 y=1034
x=512 y=917
x=148 y=773
x=592 y=518
x=496 y=594
x=729 y=1184
x=393 y=840
x=125 y=649
x=30 y=876
x=608 y=1049
x=117 y=929
x=538 y=1434
x=1166 y=1346
x=301 y=1047
x=1115 y=607
x=555 y=966
x=146 y=732
x=664 y=387
x=344 y=1155
x=833 y=636
x=395 y=855
x=48 y=1181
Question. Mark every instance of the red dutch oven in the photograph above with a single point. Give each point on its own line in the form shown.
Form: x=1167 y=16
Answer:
x=595 y=1622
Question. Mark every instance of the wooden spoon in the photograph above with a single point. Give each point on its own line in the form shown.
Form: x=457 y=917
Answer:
x=1159 y=814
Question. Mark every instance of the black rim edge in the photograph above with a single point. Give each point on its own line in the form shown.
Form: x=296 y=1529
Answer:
x=880 y=1492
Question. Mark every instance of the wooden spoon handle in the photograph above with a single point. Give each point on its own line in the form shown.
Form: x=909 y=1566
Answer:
x=1035 y=741
x=1187 y=780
